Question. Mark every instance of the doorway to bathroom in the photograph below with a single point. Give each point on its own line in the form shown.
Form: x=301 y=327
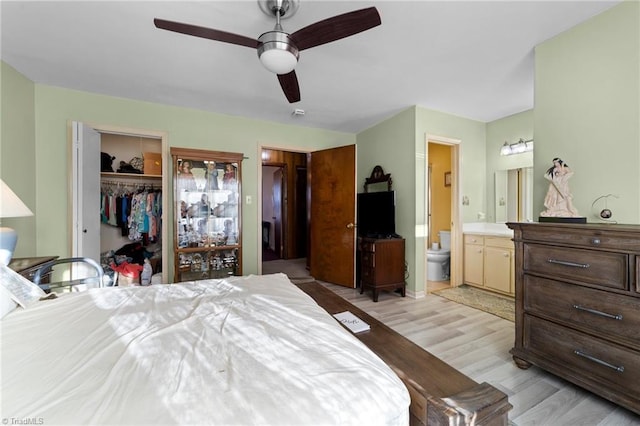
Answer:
x=442 y=213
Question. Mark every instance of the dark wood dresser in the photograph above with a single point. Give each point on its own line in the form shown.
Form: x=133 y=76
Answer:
x=381 y=265
x=577 y=289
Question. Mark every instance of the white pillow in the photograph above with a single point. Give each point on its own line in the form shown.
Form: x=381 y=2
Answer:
x=21 y=290
x=6 y=302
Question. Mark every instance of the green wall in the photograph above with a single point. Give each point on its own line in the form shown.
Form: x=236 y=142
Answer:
x=472 y=136
x=509 y=129
x=389 y=144
x=17 y=151
x=587 y=111
x=399 y=145
x=185 y=128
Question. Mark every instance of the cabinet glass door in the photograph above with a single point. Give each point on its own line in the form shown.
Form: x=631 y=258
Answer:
x=207 y=197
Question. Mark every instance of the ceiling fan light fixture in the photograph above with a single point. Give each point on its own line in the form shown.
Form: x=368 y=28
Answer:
x=277 y=53
x=277 y=50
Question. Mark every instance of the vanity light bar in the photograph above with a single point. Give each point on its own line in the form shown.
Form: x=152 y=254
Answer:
x=516 y=148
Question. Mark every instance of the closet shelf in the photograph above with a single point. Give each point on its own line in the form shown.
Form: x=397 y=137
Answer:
x=129 y=175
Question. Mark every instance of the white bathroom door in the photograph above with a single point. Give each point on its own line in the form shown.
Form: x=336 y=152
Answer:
x=85 y=191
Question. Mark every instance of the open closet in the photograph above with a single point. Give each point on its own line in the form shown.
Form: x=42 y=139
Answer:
x=119 y=201
x=130 y=205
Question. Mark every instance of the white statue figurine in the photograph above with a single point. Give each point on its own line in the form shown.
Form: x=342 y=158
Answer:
x=558 y=199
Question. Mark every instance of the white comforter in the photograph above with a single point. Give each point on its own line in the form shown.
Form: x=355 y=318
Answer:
x=245 y=350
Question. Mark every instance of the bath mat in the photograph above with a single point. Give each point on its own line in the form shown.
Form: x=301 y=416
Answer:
x=496 y=304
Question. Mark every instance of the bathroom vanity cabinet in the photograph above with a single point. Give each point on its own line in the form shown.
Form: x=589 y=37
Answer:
x=489 y=263
x=474 y=260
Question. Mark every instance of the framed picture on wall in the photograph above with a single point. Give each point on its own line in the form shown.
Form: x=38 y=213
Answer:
x=447 y=178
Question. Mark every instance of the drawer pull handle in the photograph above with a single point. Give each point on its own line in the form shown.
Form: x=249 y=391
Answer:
x=565 y=263
x=603 y=314
x=619 y=369
x=595 y=241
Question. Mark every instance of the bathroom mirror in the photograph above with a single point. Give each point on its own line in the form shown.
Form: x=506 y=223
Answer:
x=513 y=191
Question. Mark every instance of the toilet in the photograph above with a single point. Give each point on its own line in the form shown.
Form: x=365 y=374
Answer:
x=438 y=259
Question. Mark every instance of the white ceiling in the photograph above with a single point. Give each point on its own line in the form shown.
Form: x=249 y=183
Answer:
x=474 y=59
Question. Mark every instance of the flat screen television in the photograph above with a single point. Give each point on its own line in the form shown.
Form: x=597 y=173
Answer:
x=377 y=214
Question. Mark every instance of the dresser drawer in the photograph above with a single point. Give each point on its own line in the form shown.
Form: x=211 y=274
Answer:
x=595 y=311
x=597 y=361
x=368 y=259
x=368 y=246
x=594 y=267
x=584 y=237
x=367 y=274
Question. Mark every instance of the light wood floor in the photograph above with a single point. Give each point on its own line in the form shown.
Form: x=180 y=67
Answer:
x=478 y=344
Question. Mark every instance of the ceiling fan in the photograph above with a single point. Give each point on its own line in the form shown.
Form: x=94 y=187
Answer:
x=278 y=50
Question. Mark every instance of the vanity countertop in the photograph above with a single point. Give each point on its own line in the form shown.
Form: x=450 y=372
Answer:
x=484 y=228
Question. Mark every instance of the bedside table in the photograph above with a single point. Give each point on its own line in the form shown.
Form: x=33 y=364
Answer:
x=381 y=265
x=27 y=266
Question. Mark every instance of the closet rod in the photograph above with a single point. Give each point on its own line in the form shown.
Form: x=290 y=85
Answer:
x=136 y=184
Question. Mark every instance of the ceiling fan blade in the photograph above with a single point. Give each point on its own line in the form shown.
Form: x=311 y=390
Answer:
x=208 y=33
x=335 y=28
x=289 y=84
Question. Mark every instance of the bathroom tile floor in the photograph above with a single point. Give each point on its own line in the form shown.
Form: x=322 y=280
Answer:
x=437 y=285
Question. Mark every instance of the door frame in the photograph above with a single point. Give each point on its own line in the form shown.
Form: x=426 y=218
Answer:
x=82 y=137
x=166 y=159
x=280 y=239
x=456 y=202
x=262 y=147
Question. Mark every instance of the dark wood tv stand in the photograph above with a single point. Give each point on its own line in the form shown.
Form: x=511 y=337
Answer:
x=381 y=265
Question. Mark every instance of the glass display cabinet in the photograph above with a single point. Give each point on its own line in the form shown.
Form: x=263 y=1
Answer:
x=207 y=212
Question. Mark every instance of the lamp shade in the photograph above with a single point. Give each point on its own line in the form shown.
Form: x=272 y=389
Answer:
x=10 y=204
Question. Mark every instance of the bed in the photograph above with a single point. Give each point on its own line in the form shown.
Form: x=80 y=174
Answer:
x=243 y=350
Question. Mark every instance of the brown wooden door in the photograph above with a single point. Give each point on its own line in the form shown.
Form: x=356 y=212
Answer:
x=301 y=213
x=278 y=208
x=332 y=215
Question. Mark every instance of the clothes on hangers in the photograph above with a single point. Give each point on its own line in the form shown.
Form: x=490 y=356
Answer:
x=137 y=212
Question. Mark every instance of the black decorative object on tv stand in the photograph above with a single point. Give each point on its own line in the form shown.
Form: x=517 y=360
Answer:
x=378 y=176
